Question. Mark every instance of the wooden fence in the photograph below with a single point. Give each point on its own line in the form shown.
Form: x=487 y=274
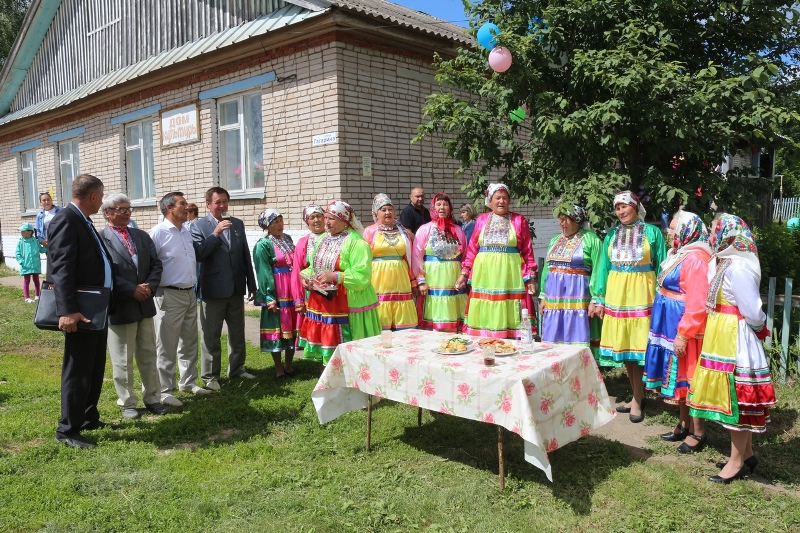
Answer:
x=772 y=300
x=785 y=208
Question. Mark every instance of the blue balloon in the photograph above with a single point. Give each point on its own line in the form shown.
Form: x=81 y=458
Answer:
x=487 y=34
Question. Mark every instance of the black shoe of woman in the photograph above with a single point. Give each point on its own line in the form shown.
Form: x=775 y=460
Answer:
x=688 y=448
x=751 y=463
x=744 y=471
x=683 y=432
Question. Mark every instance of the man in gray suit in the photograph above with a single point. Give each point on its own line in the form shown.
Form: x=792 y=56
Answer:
x=226 y=274
x=131 y=332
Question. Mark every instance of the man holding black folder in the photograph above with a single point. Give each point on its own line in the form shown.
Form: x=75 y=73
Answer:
x=76 y=258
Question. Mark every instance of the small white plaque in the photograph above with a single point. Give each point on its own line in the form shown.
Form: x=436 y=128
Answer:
x=325 y=138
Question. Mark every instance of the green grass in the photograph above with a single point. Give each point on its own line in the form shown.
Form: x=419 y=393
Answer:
x=253 y=457
x=7 y=271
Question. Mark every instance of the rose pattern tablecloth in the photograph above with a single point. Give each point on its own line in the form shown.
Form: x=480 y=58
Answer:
x=549 y=395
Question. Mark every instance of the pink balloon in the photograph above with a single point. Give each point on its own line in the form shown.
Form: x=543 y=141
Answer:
x=500 y=59
x=525 y=107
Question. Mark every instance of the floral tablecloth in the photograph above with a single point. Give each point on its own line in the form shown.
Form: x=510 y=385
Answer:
x=550 y=395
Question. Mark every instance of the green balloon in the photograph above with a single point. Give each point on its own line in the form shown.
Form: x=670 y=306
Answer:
x=793 y=223
x=518 y=115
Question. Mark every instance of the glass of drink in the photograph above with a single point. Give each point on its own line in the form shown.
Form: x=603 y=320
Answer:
x=386 y=339
x=488 y=355
x=226 y=215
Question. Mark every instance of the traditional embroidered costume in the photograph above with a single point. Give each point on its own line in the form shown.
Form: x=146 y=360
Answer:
x=352 y=312
x=732 y=383
x=392 y=276
x=679 y=310
x=569 y=282
x=498 y=262
x=438 y=249
x=631 y=259
x=273 y=259
x=302 y=252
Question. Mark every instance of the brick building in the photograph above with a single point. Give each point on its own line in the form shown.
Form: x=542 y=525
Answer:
x=282 y=102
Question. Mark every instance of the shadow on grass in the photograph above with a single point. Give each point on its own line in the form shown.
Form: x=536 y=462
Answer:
x=577 y=468
x=241 y=410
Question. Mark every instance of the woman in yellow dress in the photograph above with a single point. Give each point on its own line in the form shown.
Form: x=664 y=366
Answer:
x=392 y=277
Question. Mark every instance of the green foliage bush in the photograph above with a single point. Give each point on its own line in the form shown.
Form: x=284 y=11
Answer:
x=779 y=253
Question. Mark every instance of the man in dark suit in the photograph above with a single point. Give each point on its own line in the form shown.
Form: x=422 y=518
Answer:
x=226 y=274
x=131 y=331
x=76 y=257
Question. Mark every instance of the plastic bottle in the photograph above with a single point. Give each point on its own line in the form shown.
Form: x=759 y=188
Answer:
x=525 y=335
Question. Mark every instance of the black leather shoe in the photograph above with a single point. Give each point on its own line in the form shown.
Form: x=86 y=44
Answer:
x=726 y=480
x=636 y=418
x=701 y=443
x=676 y=437
x=156 y=408
x=623 y=409
x=751 y=463
x=75 y=442
x=100 y=425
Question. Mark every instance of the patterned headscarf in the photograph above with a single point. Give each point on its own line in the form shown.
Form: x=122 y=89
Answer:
x=631 y=199
x=379 y=201
x=444 y=225
x=267 y=216
x=578 y=214
x=689 y=229
x=310 y=210
x=343 y=211
x=732 y=241
x=493 y=188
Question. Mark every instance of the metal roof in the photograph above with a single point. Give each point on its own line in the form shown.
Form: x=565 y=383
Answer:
x=286 y=16
x=404 y=16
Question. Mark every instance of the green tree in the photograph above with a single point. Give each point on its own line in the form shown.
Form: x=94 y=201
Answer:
x=648 y=94
x=12 y=12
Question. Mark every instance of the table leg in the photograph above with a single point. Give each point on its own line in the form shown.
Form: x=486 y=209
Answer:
x=502 y=466
x=369 y=421
x=419 y=418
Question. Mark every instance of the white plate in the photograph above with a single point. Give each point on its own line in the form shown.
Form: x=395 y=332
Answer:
x=506 y=354
x=469 y=349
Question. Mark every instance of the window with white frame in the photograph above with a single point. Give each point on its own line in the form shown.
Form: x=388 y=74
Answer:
x=69 y=167
x=241 y=147
x=139 y=171
x=29 y=180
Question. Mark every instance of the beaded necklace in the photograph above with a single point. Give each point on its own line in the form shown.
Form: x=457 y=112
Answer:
x=311 y=242
x=496 y=231
x=564 y=248
x=628 y=247
x=328 y=252
x=391 y=233
x=285 y=244
x=443 y=245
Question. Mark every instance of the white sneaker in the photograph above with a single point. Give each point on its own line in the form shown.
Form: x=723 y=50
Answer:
x=169 y=399
x=212 y=384
x=35 y=298
x=246 y=375
x=28 y=301
x=196 y=390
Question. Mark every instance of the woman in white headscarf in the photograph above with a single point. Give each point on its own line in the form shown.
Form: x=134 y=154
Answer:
x=392 y=277
x=273 y=257
x=678 y=323
x=500 y=267
x=314 y=217
x=631 y=260
x=732 y=383
x=342 y=304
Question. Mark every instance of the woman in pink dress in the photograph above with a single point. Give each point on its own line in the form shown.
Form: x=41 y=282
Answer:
x=274 y=257
x=314 y=217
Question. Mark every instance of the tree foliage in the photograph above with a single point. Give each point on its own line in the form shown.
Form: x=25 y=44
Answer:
x=12 y=12
x=647 y=94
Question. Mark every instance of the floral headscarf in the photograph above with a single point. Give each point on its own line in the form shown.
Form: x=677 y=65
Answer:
x=310 y=210
x=379 y=201
x=690 y=234
x=631 y=199
x=689 y=229
x=732 y=241
x=343 y=211
x=578 y=214
x=444 y=225
x=267 y=216
x=493 y=188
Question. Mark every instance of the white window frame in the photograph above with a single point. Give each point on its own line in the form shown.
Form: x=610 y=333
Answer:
x=146 y=161
x=72 y=162
x=29 y=196
x=248 y=167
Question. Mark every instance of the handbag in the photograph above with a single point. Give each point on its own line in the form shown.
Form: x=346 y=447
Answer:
x=92 y=303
